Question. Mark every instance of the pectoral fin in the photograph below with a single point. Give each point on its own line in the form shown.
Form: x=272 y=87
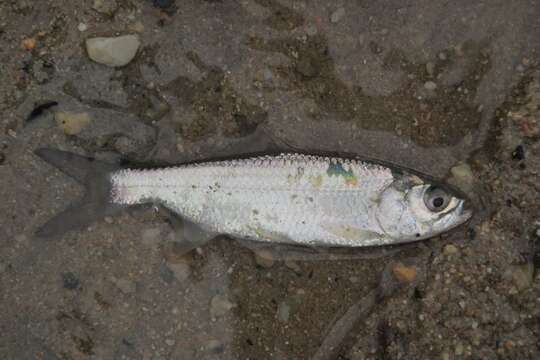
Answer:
x=187 y=234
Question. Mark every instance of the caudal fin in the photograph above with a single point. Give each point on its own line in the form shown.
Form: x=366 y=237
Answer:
x=95 y=204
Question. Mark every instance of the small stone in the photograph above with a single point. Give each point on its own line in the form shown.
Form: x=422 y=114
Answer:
x=163 y=4
x=430 y=85
x=220 y=305
x=450 y=249
x=442 y=56
x=180 y=270
x=29 y=44
x=283 y=312
x=125 y=145
x=215 y=346
x=170 y=342
x=459 y=349
x=125 y=285
x=430 y=68
x=71 y=123
x=462 y=176
x=522 y=275
x=520 y=68
x=518 y=153
x=151 y=236
x=293 y=265
x=445 y=356
x=264 y=259
x=113 y=51
x=82 y=27
x=311 y=30
x=38 y=69
x=105 y=7
x=404 y=273
x=137 y=27
x=337 y=15
x=458 y=50
x=70 y=280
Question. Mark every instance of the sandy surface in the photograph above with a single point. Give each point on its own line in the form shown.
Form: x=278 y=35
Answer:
x=424 y=84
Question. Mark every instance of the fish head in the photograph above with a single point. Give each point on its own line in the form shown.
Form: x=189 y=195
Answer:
x=411 y=209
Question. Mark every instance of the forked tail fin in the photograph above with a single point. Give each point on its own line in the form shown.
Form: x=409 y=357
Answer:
x=95 y=204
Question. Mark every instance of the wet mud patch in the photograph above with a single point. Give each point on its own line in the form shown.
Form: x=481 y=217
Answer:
x=218 y=108
x=422 y=108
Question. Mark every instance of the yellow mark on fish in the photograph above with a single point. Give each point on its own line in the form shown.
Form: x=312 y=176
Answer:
x=316 y=181
x=291 y=179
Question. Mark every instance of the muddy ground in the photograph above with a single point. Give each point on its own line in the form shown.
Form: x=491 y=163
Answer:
x=426 y=84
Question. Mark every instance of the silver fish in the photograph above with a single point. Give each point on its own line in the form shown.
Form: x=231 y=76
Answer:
x=288 y=198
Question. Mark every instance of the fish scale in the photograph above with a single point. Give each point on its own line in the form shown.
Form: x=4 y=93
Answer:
x=293 y=198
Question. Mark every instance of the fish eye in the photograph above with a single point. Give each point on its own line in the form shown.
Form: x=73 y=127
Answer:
x=436 y=199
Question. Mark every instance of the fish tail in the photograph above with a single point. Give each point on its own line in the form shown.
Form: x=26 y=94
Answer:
x=95 y=204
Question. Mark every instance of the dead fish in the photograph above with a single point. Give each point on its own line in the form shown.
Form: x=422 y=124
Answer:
x=286 y=198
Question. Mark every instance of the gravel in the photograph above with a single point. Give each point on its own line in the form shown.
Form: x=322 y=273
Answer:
x=113 y=51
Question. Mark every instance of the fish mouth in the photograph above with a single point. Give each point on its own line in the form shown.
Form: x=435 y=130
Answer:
x=464 y=212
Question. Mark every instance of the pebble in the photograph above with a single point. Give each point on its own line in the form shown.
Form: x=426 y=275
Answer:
x=125 y=285
x=163 y=4
x=337 y=15
x=105 y=7
x=125 y=145
x=522 y=275
x=151 y=236
x=113 y=51
x=170 y=342
x=70 y=281
x=462 y=175
x=264 y=259
x=82 y=27
x=71 y=123
x=180 y=270
x=450 y=249
x=442 y=56
x=215 y=346
x=430 y=85
x=430 y=68
x=459 y=349
x=283 y=312
x=29 y=43
x=311 y=30
x=220 y=305
x=137 y=27
x=38 y=69
x=404 y=273
x=293 y=265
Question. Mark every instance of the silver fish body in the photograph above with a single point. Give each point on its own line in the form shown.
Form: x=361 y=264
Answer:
x=294 y=198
